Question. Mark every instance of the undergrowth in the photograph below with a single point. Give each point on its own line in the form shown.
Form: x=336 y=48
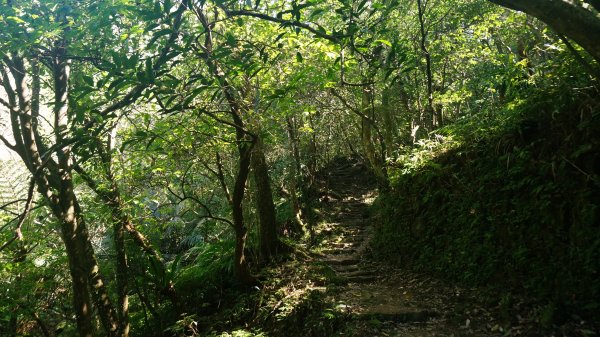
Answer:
x=514 y=203
x=290 y=301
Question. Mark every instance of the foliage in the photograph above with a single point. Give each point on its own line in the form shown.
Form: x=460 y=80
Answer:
x=161 y=98
x=288 y=302
x=496 y=209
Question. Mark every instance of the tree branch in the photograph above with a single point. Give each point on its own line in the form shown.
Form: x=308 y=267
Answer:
x=8 y=144
x=282 y=22
x=350 y=107
x=23 y=216
x=208 y=213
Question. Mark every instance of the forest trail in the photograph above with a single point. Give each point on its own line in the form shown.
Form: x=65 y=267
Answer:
x=380 y=299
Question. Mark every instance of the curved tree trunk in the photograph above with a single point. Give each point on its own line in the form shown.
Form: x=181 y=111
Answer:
x=53 y=177
x=566 y=18
x=367 y=127
x=83 y=263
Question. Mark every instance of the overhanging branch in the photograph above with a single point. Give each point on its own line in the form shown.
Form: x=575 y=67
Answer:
x=283 y=22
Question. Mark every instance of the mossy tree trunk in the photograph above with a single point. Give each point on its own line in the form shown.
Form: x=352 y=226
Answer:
x=268 y=239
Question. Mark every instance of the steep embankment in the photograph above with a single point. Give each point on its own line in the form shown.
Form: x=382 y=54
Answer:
x=372 y=297
x=517 y=210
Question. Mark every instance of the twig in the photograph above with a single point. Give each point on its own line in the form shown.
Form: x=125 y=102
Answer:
x=18 y=233
x=587 y=175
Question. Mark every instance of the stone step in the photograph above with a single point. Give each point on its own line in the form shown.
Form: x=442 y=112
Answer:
x=400 y=315
x=358 y=272
x=348 y=217
x=357 y=223
x=352 y=231
x=355 y=239
x=344 y=244
x=342 y=261
x=362 y=279
x=339 y=251
x=346 y=269
x=349 y=230
x=355 y=205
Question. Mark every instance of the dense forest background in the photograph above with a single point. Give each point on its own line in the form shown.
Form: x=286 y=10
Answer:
x=165 y=160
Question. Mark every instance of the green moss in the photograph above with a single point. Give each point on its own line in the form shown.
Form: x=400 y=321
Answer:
x=516 y=208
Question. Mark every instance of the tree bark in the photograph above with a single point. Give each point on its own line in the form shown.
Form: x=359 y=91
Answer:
x=122 y=223
x=120 y=220
x=74 y=229
x=429 y=110
x=240 y=267
x=566 y=18
x=294 y=172
x=389 y=120
x=268 y=239
x=367 y=127
x=55 y=183
x=245 y=141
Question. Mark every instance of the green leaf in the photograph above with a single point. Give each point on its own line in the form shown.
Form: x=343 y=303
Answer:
x=88 y=80
x=15 y=19
x=79 y=115
x=361 y=6
x=116 y=83
x=132 y=61
x=158 y=34
x=317 y=12
x=279 y=37
x=151 y=27
x=385 y=42
x=149 y=72
x=299 y=57
x=230 y=39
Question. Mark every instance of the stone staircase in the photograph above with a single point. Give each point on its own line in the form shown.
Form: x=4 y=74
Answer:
x=366 y=293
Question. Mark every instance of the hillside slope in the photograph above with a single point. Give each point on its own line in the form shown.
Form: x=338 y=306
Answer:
x=515 y=207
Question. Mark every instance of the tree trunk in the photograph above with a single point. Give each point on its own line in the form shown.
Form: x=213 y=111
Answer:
x=240 y=266
x=81 y=254
x=264 y=201
x=244 y=145
x=122 y=223
x=566 y=18
x=120 y=220
x=429 y=110
x=79 y=279
x=122 y=277
x=367 y=126
x=389 y=122
x=294 y=173
x=84 y=268
x=55 y=183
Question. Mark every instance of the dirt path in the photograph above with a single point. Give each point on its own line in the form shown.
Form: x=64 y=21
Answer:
x=379 y=299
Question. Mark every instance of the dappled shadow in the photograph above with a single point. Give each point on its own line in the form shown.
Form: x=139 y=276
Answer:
x=376 y=298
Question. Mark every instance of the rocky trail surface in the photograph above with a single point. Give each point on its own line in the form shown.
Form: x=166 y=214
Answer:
x=380 y=299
